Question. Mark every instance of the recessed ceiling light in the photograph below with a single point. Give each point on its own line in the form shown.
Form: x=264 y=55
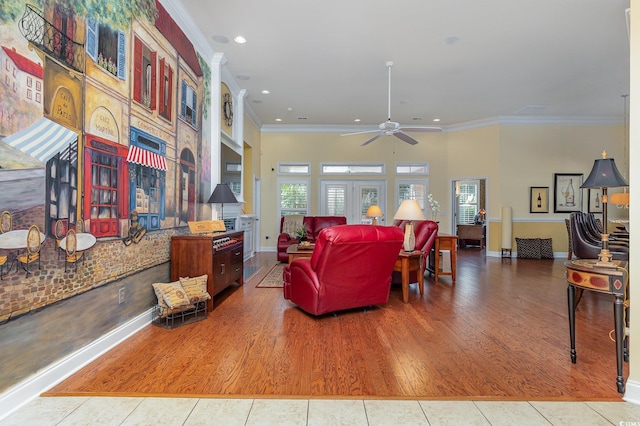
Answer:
x=451 y=40
x=220 y=39
x=436 y=119
x=302 y=118
x=357 y=120
x=289 y=109
x=404 y=101
x=240 y=40
x=278 y=119
x=243 y=77
x=417 y=118
x=257 y=101
x=265 y=92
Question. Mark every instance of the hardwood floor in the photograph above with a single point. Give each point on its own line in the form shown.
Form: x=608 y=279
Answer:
x=500 y=332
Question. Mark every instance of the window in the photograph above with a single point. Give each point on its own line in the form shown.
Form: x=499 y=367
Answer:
x=340 y=168
x=468 y=202
x=38 y=86
x=412 y=189
x=293 y=168
x=293 y=196
x=38 y=97
x=188 y=104
x=166 y=94
x=29 y=94
x=29 y=81
x=107 y=47
x=412 y=169
x=144 y=74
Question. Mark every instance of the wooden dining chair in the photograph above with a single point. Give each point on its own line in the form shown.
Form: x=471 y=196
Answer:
x=6 y=222
x=32 y=252
x=71 y=245
x=59 y=232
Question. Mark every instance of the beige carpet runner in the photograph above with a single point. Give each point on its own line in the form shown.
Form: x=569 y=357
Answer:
x=273 y=279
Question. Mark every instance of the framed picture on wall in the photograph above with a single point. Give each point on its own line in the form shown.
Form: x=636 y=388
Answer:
x=538 y=199
x=567 y=195
x=595 y=201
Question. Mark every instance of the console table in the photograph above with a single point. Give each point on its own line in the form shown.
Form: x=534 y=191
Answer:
x=584 y=274
x=218 y=256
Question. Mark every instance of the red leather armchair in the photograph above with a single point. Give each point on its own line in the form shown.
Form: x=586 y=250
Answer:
x=350 y=267
x=426 y=232
x=313 y=225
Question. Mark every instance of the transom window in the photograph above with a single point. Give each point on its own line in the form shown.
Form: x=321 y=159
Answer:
x=294 y=168
x=347 y=168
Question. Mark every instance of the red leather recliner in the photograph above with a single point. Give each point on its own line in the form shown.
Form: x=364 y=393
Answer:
x=350 y=267
x=426 y=232
x=313 y=225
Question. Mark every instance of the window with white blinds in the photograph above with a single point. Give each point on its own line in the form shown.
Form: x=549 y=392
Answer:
x=294 y=196
x=336 y=197
x=468 y=202
x=412 y=189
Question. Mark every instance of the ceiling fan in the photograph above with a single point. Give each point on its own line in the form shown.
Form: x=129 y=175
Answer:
x=391 y=128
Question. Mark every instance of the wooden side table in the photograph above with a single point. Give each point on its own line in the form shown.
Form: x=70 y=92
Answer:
x=444 y=242
x=586 y=275
x=409 y=261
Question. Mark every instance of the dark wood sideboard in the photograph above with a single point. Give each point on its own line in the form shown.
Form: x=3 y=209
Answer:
x=219 y=256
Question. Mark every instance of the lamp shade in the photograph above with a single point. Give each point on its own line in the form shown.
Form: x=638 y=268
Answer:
x=222 y=194
x=374 y=211
x=604 y=174
x=619 y=199
x=409 y=210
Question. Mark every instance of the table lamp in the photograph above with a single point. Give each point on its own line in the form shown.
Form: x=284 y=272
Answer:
x=409 y=210
x=374 y=212
x=222 y=194
x=604 y=175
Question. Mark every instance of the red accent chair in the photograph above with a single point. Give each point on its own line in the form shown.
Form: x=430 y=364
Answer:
x=426 y=232
x=313 y=225
x=350 y=267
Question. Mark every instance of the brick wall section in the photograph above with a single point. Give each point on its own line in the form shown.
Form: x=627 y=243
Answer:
x=109 y=260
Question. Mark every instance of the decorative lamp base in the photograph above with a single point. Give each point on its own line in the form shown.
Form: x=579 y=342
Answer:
x=409 y=237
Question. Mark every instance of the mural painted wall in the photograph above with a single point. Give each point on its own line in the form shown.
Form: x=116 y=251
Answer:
x=101 y=113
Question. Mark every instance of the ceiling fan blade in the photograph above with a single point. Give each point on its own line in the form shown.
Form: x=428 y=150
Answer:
x=408 y=139
x=360 y=133
x=372 y=139
x=422 y=129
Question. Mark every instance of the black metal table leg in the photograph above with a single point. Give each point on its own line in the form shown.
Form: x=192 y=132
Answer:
x=571 y=297
x=618 y=309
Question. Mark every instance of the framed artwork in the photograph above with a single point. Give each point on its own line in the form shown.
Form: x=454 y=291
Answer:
x=595 y=201
x=538 y=199
x=567 y=195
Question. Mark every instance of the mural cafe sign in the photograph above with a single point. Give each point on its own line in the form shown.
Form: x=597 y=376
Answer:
x=103 y=124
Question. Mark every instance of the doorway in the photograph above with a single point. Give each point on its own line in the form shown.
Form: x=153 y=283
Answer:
x=352 y=198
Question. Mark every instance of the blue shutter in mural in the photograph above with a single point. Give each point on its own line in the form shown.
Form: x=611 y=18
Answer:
x=193 y=105
x=122 y=55
x=92 y=39
x=183 y=100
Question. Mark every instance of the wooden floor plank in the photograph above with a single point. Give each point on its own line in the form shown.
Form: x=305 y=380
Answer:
x=500 y=332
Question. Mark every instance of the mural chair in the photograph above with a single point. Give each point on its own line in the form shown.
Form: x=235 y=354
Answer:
x=6 y=222
x=72 y=255
x=79 y=226
x=59 y=232
x=33 y=249
x=3 y=261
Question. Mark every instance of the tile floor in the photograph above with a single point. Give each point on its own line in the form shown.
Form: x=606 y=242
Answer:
x=282 y=412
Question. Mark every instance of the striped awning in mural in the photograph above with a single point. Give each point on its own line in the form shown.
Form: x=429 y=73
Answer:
x=146 y=158
x=42 y=140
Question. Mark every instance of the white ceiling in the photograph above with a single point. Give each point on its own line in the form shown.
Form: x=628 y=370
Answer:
x=324 y=60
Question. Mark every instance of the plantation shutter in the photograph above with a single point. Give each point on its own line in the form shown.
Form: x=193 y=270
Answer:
x=336 y=196
x=122 y=54
x=183 y=100
x=137 y=70
x=92 y=39
x=154 y=83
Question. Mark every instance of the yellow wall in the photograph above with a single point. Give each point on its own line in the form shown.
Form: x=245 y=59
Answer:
x=511 y=157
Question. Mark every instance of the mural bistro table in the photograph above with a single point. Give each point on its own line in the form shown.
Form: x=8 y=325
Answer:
x=585 y=274
x=14 y=241
x=84 y=241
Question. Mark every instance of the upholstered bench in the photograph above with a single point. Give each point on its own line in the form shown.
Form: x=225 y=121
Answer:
x=534 y=248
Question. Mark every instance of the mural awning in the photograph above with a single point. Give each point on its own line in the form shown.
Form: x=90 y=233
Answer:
x=146 y=158
x=42 y=140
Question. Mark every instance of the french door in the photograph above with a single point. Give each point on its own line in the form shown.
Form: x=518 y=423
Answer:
x=352 y=198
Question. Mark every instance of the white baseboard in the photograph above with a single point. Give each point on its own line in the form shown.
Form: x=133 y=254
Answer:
x=632 y=392
x=22 y=393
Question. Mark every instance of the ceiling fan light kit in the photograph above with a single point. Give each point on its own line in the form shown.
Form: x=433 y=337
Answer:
x=391 y=128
